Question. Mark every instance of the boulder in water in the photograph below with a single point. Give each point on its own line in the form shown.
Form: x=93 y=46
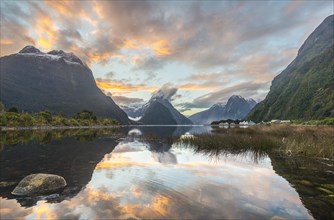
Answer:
x=37 y=184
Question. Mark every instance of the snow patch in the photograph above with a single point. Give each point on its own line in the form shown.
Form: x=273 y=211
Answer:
x=135 y=118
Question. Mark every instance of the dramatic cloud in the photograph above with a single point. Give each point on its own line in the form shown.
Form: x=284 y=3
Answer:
x=167 y=91
x=123 y=100
x=121 y=87
x=201 y=47
x=244 y=89
x=247 y=90
x=202 y=34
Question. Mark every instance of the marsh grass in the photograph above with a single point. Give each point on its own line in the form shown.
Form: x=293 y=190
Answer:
x=309 y=141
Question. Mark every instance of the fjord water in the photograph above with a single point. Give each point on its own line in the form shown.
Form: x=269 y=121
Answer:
x=132 y=173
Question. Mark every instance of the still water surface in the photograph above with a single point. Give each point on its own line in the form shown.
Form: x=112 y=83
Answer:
x=128 y=176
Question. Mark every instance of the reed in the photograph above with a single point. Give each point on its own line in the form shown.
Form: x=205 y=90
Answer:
x=310 y=141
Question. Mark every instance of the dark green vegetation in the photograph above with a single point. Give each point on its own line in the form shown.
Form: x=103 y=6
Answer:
x=45 y=118
x=312 y=141
x=305 y=89
x=46 y=136
x=325 y=121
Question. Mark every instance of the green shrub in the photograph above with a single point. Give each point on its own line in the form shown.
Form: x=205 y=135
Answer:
x=46 y=115
x=25 y=119
x=43 y=118
x=12 y=118
x=13 y=109
x=85 y=115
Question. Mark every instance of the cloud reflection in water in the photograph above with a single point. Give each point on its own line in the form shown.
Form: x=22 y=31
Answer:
x=135 y=181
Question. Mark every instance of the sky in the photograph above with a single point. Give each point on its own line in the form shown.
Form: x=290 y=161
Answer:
x=197 y=52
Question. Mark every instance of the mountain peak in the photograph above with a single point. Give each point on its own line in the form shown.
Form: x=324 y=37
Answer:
x=35 y=81
x=57 y=52
x=318 y=40
x=30 y=49
x=236 y=108
x=68 y=56
x=236 y=97
x=54 y=54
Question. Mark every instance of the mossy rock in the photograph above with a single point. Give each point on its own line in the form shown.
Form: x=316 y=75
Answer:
x=38 y=184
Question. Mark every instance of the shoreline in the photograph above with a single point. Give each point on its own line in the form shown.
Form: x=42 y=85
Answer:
x=47 y=127
x=22 y=128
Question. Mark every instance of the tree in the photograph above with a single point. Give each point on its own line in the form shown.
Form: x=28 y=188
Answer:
x=13 y=109
x=2 y=107
x=46 y=115
x=86 y=115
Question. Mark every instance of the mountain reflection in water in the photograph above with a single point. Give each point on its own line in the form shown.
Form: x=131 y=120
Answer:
x=136 y=178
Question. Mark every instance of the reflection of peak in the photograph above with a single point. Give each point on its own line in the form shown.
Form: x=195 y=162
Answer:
x=164 y=157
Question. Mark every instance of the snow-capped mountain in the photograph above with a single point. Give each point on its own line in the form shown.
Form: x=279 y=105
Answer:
x=157 y=111
x=236 y=108
x=214 y=113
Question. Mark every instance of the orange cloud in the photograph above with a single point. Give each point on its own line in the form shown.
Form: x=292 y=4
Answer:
x=130 y=44
x=161 y=204
x=47 y=32
x=161 y=48
x=119 y=86
x=6 y=41
x=66 y=8
x=97 y=57
x=116 y=164
x=135 y=190
x=94 y=195
x=193 y=86
x=43 y=211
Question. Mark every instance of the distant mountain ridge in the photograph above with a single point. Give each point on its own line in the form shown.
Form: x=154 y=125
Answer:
x=236 y=108
x=55 y=81
x=157 y=111
x=305 y=89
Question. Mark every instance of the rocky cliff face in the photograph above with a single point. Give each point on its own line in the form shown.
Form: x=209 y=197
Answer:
x=55 y=81
x=305 y=89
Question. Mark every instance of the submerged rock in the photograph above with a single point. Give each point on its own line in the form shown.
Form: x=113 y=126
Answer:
x=36 y=184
